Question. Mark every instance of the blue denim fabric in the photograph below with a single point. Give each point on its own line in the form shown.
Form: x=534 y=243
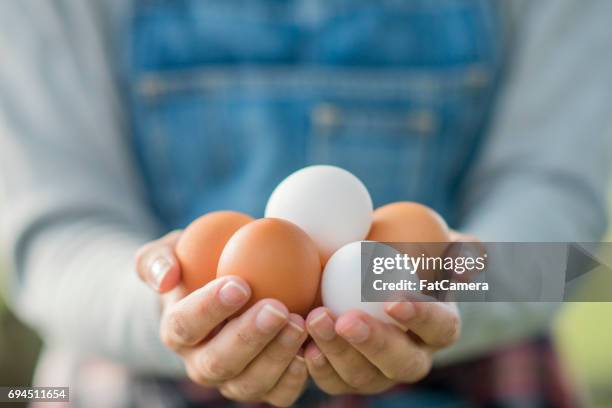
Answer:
x=231 y=96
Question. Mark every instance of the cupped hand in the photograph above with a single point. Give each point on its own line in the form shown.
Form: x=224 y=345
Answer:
x=253 y=357
x=358 y=354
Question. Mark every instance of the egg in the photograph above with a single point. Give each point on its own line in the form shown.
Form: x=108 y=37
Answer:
x=341 y=281
x=329 y=203
x=201 y=243
x=410 y=222
x=277 y=259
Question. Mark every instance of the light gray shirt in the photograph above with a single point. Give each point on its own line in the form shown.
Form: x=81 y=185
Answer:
x=73 y=214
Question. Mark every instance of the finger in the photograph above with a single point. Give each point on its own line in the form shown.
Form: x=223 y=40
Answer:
x=437 y=323
x=386 y=346
x=468 y=247
x=327 y=378
x=351 y=365
x=238 y=343
x=323 y=374
x=264 y=371
x=290 y=386
x=190 y=320
x=157 y=265
x=456 y=236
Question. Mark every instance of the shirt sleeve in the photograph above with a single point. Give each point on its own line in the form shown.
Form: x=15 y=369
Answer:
x=72 y=210
x=543 y=174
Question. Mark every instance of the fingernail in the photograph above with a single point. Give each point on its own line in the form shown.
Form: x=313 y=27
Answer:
x=270 y=318
x=158 y=270
x=233 y=293
x=357 y=331
x=291 y=334
x=297 y=366
x=401 y=311
x=323 y=326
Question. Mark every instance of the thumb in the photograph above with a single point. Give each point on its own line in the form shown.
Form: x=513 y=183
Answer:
x=157 y=265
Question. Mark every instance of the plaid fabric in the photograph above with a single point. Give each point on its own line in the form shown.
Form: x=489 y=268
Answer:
x=528 y=374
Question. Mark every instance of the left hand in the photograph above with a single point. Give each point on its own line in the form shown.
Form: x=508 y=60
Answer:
x=358 y=354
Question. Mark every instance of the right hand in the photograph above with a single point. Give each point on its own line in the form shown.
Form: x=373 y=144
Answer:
x=253 y=357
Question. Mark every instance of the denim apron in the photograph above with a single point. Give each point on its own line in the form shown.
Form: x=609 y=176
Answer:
x=228 y=97
x=231 y=96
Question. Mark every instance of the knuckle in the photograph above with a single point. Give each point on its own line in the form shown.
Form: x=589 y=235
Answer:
x=176 y=329
x=213 y=368
x=248 y=338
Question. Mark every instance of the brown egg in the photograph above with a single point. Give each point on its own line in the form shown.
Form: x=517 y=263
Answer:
x=318 y=297
x=200 y=246
x=277 y=259
x=410 y=222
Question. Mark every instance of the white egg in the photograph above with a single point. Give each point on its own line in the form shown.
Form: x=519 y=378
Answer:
x=329 y=203
x=341 y=281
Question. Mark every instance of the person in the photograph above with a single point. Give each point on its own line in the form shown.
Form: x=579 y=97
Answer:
x=123 y=121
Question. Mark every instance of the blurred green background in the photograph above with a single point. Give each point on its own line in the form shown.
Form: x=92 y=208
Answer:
x=19 y=348
x=582 y=330
x=584 y=338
